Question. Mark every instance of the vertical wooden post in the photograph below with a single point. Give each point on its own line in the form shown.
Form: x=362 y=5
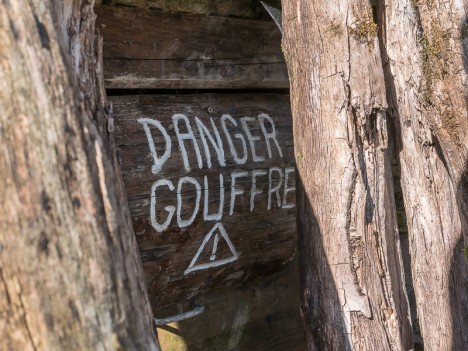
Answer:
x=70 y=277
x=425 y=44
x=353 y=292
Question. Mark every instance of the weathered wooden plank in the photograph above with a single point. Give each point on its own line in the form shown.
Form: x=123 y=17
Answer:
x=152 y=49
x=252 y=152
x=261 y=315
x=240 y=8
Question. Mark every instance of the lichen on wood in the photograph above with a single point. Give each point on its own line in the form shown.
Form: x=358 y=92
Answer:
x=363 y=29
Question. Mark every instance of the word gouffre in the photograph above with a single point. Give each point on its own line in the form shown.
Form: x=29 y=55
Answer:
x=242 y=144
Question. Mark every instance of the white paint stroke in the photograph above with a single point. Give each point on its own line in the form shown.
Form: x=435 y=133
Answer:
x=160 y=227
x=215 y=216
x=158 y=162
x=269 y=135
x=215 y=248
x=253 y=190
x=217 y=145
x=192 y=267
x=238 y=326
x=234 y=190
x=275 y=189
x=252 y=138
x=181 y=137
x=182 y=223
x=287 y=189
x=235 y=155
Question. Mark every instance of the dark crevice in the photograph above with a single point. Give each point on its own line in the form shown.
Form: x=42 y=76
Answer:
x=43 y=35
x=405 y=252
x=395 y=144
x=215 y=62
x=440 y=154
x=353 y=243
x=375 y=16
x=123 y=92
x=359 y=136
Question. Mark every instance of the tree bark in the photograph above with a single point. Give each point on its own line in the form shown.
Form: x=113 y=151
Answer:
x=346 y=214
x=353 y=291
x=426 y=76
x=70 y=275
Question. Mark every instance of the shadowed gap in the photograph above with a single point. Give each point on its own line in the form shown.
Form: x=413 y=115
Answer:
x=378 y=10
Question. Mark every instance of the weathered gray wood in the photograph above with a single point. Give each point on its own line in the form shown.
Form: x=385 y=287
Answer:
x=70 y=277
x=427 y=89
x=240 y=8
x=151 y=49
x=353 y=289
x=264 y=239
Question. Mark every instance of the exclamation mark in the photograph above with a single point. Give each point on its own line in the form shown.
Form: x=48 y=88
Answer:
x=215 y=247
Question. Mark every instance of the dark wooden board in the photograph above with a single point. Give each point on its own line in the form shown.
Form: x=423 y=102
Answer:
x=263 y=240
x=261 y=315
x=156 y=50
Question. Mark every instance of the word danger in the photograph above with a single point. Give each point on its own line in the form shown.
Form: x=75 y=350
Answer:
x=242 y=144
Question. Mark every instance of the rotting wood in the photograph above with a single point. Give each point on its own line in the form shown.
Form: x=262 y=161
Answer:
x=156 y=50
x=353 y=288
x=426 y=57
x=259 y=221
x=70 y=277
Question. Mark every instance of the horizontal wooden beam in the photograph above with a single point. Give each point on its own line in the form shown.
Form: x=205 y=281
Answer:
x=150 y=49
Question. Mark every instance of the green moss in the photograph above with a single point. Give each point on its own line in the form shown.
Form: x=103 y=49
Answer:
x=451 y=125
x=465 y=252
x=449 y=117
x=300 y=159
x=364 y=29
x=427 y=70
x=435 y=55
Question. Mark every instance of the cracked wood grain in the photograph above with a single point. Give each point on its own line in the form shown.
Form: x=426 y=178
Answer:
x=425 y=44
x=155 y=50
x=353 y=293
x=70 y=275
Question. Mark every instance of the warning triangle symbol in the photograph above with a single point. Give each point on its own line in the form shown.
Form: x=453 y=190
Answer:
x=216 y=234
